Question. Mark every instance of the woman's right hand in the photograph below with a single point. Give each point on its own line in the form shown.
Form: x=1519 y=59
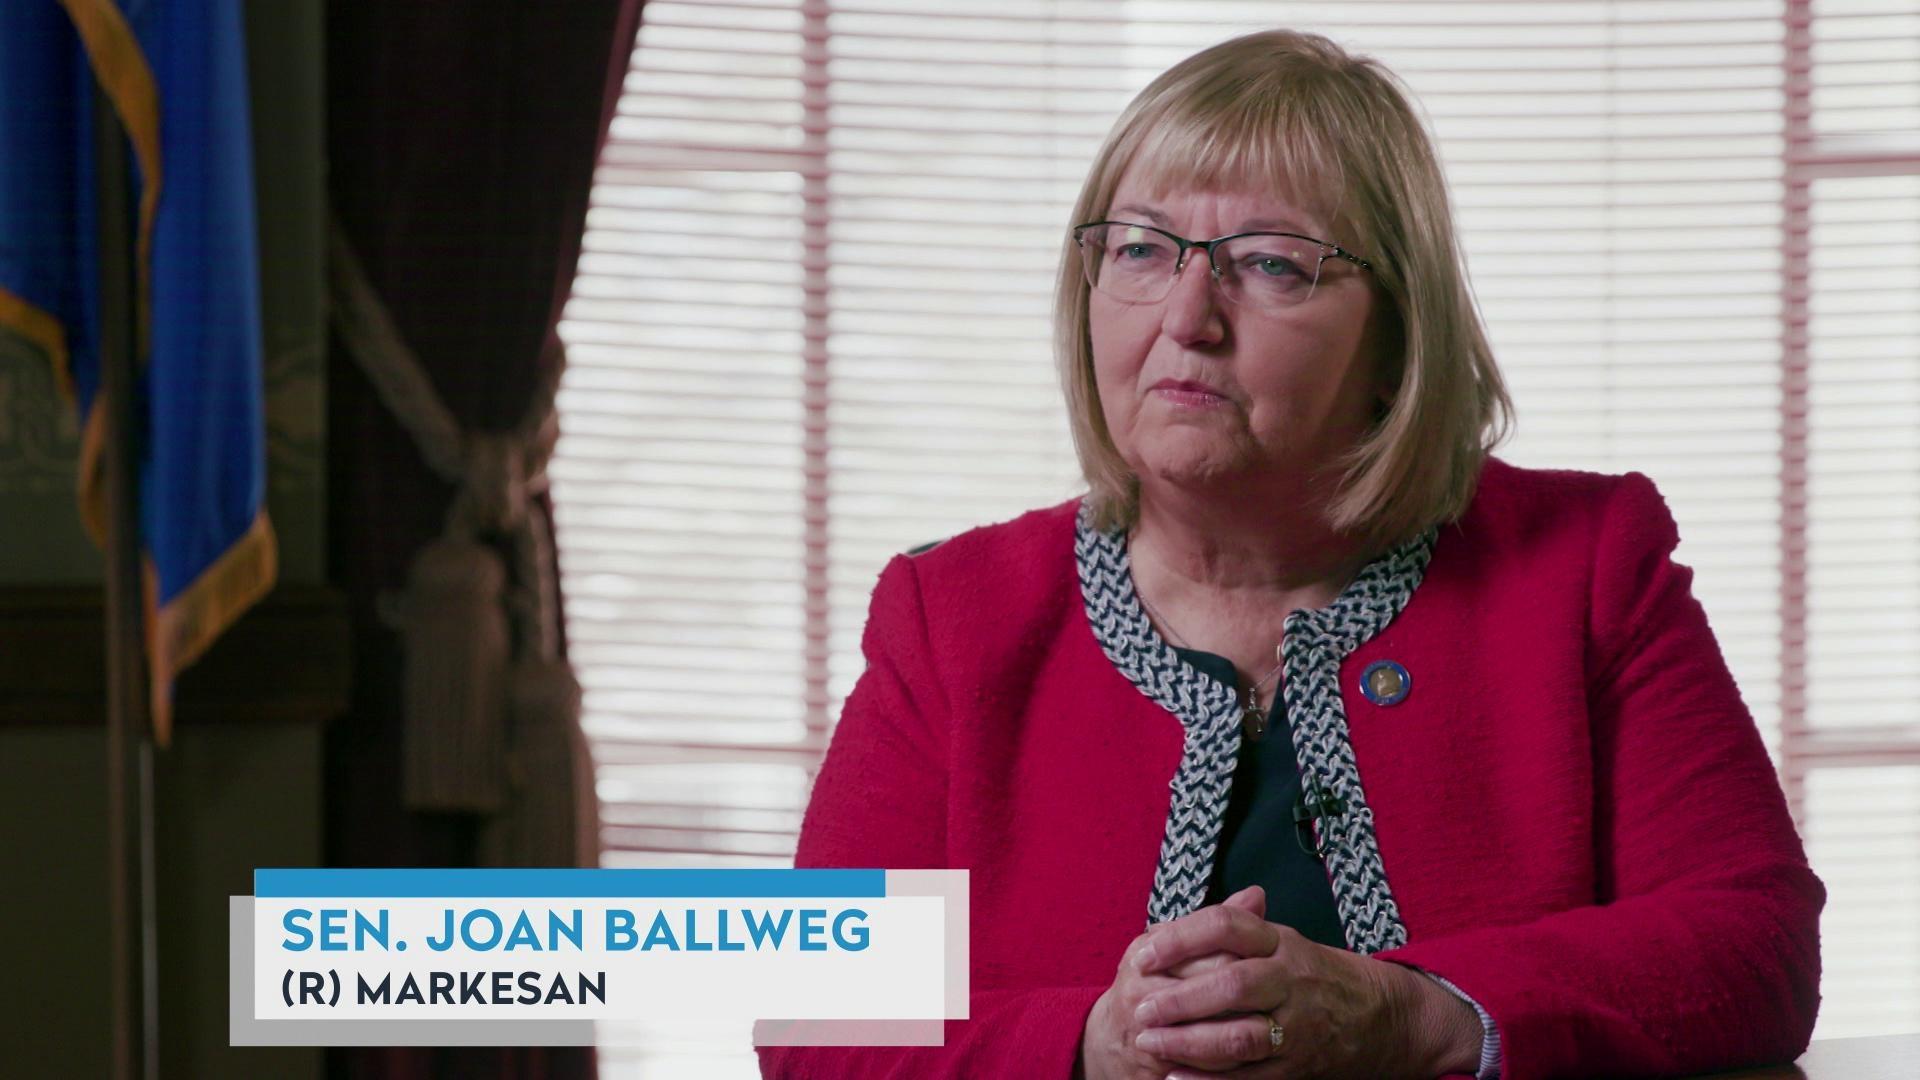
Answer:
x=1106 y=1045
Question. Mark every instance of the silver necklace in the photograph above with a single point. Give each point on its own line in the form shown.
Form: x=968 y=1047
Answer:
x=1253 y=718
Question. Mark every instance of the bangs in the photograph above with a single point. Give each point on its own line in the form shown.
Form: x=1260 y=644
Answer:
x=1246 y=142
x=1294 y=117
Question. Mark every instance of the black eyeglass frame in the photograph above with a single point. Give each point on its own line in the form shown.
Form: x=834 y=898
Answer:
x=1327 y=248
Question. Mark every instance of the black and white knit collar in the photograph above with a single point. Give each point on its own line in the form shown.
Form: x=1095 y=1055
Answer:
x=1316 y=642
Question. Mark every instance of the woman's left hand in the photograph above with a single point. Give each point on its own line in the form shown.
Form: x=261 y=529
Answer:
x=1342 y=1014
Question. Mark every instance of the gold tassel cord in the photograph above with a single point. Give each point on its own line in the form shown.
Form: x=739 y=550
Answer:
x=492 y=724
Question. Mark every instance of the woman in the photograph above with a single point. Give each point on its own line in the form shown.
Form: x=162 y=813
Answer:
x=1412 y=761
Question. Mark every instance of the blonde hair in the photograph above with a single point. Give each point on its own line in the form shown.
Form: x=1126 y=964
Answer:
x=1293 y=112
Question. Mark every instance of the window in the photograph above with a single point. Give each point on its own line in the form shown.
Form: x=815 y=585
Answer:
x=1693 y=226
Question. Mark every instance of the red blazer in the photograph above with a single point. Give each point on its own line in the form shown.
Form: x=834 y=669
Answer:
x=1574 y=810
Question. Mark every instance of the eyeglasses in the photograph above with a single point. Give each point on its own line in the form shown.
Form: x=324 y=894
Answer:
x=1138 y=264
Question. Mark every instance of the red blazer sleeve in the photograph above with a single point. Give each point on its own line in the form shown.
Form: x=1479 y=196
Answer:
x=1705 y=951
x=880 y=802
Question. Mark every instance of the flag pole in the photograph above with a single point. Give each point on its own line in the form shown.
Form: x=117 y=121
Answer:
x=130 y=885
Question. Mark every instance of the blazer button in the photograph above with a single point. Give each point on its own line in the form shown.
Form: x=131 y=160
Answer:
x=1385 y=682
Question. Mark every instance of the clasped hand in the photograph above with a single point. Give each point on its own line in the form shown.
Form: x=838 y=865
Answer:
x=1193 y=997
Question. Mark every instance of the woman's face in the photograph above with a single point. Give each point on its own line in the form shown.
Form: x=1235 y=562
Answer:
x=1291 y=388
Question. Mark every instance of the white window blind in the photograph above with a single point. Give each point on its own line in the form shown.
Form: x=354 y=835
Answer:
x=1693 y=227
x=1852 y=345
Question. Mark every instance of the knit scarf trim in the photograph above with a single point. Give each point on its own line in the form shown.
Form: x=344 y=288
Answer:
x=1315 y=644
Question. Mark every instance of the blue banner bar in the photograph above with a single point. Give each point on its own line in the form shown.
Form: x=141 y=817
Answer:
x=679 y=883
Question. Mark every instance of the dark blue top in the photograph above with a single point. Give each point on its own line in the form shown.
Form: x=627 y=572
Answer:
x=1258 y=840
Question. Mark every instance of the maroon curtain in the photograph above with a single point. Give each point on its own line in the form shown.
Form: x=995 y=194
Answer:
x=461 y=141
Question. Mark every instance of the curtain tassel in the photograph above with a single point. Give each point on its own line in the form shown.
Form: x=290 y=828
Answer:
x=553 y=812
x=457 y=644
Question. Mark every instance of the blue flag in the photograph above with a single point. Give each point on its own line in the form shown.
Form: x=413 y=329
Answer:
x=175 y=72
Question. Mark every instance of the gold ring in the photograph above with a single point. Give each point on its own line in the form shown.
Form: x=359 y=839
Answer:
x=1275 y=1033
